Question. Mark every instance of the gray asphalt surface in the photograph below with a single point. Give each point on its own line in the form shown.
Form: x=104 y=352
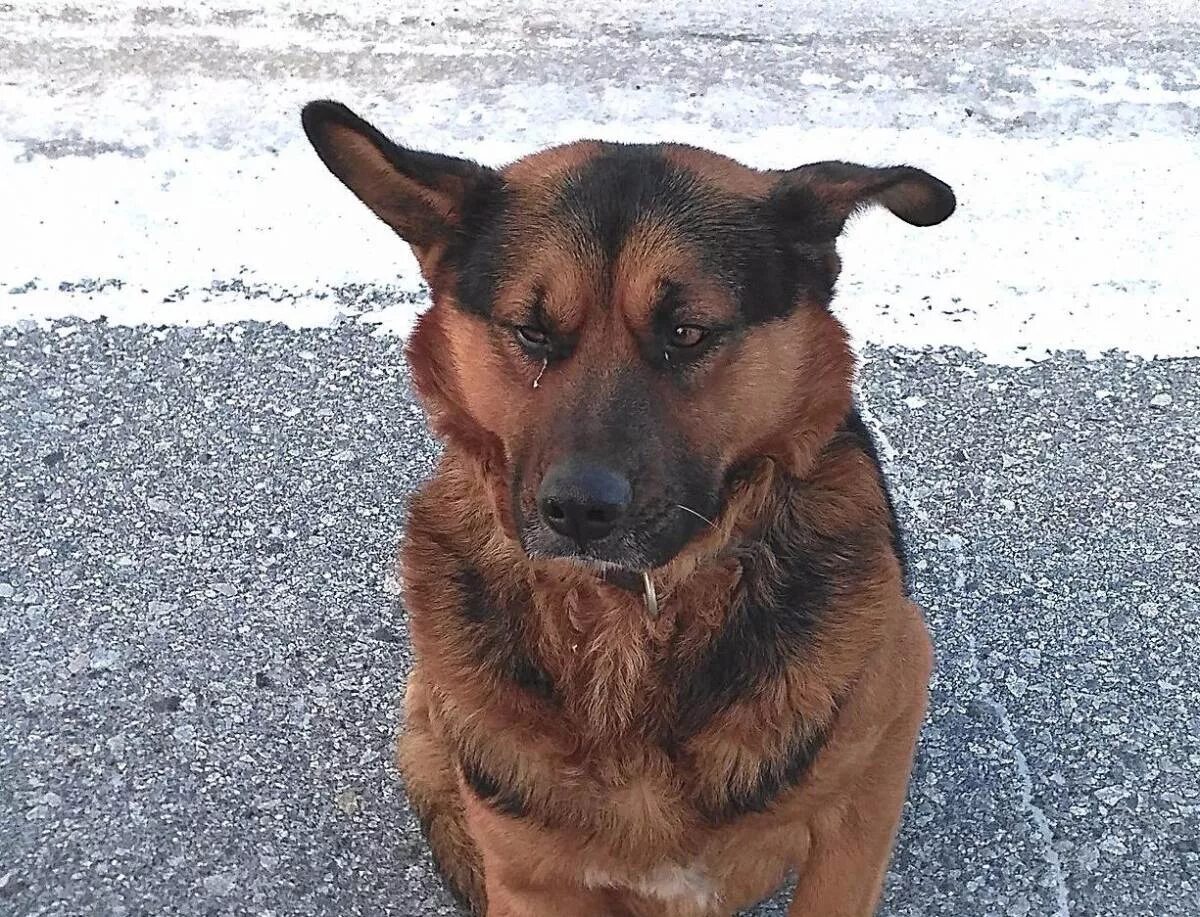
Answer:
x=201 y=656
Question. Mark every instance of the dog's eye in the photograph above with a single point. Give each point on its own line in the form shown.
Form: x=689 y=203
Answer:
x=687 y=335
x=531 y=336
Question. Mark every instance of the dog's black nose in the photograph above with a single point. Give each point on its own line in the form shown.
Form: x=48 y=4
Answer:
x=582 y=500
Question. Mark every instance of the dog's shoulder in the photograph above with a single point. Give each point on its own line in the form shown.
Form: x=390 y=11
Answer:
x=855 y=431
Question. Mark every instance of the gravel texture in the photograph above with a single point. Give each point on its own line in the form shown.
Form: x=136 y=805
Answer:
x=201 y=653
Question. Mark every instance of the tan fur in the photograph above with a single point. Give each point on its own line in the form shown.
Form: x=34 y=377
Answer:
x=623 y=810
x=622 y=806
x=567 y=752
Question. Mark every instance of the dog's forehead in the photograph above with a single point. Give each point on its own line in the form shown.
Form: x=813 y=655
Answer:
x=548 y=167
x=597 y=198
x=600 y=222
x=575 y=166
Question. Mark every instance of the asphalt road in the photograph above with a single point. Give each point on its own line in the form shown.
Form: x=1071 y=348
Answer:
x=201 y=656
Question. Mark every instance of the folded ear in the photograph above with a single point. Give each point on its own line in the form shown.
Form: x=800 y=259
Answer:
x=422 y=196
x=825 y=194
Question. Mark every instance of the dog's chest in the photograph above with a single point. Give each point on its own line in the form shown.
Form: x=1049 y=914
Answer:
x=687 y=885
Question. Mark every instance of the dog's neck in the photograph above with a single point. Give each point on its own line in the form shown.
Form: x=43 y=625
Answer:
x=760 y=573
x=605 y=647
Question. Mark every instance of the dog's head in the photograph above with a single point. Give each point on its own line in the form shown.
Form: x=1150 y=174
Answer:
x=618 y=330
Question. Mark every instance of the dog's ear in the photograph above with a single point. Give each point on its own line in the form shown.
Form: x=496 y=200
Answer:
x=816 y=200
x=422 y=196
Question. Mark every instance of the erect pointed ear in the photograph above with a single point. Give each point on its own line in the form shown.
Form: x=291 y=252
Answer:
x=422 y=196
x=823 y=195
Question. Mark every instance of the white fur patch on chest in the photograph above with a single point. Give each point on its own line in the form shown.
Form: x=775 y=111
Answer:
x=666 y=882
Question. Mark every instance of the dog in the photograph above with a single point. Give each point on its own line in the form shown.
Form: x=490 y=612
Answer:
x=664 y=652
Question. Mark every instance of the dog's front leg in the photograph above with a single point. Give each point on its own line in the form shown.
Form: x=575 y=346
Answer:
x=512 y=901
x=842 y=876
x=527 y=875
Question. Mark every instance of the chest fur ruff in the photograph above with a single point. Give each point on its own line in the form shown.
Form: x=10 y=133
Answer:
x=668 y=882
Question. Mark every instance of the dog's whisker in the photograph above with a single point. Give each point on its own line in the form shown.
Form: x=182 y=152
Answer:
x=700 y=516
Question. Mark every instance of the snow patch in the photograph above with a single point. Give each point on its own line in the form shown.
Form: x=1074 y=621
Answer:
x=165 y=198
x=1076 y=243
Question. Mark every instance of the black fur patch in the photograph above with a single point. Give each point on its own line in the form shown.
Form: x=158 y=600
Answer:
x=790 y=576
x=505 y=800
x=760 y=249
x=623 y=186
x=853 y=425
x=497 y=635
x=741 y=241
x=476 y=253
x=774 y=778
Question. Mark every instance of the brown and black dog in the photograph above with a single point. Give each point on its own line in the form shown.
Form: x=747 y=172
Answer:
x=664 y=652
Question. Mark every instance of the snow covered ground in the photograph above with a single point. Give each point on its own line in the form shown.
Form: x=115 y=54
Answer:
x=154 y=169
